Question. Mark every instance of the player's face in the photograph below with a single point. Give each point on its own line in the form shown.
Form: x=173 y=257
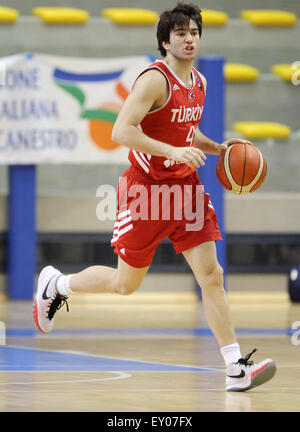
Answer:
x=184 y=41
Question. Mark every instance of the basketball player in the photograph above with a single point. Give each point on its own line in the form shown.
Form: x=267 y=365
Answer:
x=158 y=122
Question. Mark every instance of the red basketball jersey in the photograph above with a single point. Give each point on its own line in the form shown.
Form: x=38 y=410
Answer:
x=174 y=123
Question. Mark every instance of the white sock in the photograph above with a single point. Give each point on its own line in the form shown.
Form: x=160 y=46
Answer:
x=63 y=285
x=231 y=353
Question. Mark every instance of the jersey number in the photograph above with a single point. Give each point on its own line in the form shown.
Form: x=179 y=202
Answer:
x=190 y=135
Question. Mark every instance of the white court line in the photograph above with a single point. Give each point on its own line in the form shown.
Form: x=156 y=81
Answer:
x=83 y=353
x=103 y=371
x=128 y=371
x=150 y=390
x=145 y=361
x=121 y=375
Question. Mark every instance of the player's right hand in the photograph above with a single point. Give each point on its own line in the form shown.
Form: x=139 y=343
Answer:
x=191 y=156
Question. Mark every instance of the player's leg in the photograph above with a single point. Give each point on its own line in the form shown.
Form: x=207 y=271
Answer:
x=209 y=274
x=242 y=374
x=134 y=236
x=123 y=280
x=54 y=287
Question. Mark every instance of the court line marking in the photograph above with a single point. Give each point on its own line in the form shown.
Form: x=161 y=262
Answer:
x=83 y=353
x=121 y=375
x=261 y=390
x=149 y=332
x=145 y=361
x=128 y=371
x=99 y=371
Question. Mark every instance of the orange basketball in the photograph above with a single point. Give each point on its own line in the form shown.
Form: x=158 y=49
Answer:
x=242 y=168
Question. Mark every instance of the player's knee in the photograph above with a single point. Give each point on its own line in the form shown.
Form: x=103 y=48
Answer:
x=214 y=277
x=126 y=287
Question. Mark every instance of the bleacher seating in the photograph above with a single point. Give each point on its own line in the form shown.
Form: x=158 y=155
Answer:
x=270 y=18
x=236 y=72
x=214 y=18
x=131 y=16
x=261 y=130
x=286 y=71
x=60 y=15
x=232 y=7
x=8 y=15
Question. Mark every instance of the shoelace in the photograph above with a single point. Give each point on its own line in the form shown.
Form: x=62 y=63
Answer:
x=58 y=302
x=245 y=361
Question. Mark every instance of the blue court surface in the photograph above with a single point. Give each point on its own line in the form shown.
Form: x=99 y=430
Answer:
x=26 y=359
x=137 y=332
x=16 y=358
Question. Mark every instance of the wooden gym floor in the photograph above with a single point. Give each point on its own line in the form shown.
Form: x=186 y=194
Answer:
x=145 y=352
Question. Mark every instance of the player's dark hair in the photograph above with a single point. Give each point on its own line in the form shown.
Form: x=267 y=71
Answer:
x=180 y=15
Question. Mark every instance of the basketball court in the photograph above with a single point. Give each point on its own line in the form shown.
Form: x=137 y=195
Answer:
x=148 y=352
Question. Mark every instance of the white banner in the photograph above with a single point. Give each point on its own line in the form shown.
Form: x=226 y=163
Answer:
x=62 y=109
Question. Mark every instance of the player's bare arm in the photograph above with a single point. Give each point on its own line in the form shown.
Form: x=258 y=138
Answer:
x=206 y=144
x=149 y=92
x=209 y=146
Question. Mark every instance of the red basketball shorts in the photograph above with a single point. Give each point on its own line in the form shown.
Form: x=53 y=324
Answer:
x=149 y=211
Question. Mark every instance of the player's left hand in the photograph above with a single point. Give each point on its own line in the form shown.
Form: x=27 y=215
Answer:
x=232 y=141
